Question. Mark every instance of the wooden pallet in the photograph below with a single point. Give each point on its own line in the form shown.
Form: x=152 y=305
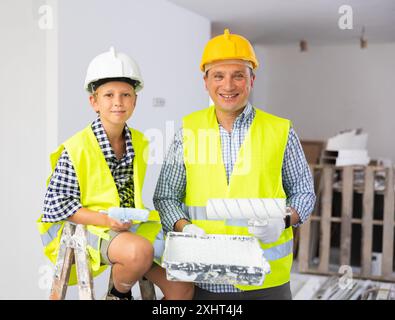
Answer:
x=73 y=249
x=310 y=236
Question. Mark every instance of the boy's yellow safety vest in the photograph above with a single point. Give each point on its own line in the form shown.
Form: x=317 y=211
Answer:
x=256 y=174
x=98 y=192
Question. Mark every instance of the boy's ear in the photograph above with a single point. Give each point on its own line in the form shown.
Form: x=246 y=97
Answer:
x=93 y=102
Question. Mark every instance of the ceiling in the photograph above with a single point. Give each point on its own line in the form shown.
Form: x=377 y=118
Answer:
x=289 y=21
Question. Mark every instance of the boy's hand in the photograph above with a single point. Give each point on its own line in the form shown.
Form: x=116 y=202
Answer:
x=117 y=225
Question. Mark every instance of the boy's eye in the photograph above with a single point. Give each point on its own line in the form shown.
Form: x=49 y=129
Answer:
x=109 y=95
x=127 y=95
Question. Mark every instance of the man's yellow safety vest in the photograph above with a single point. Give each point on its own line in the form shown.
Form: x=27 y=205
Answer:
x=256 y=174
x=98 y=192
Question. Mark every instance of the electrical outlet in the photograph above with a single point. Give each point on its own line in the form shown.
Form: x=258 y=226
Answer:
x=158 y=102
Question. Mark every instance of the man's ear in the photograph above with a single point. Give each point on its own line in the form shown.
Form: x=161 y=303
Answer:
x=205 y=78
x=252 y=80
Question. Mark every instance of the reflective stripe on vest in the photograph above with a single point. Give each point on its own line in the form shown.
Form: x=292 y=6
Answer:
x=279 y=251
x=51 y=234
x=159 y=245
x=92 y=240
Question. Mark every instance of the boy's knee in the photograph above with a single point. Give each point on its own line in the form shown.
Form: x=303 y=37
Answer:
x=139 y=252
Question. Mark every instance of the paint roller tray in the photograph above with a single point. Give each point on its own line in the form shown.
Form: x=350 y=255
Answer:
x=214 y=258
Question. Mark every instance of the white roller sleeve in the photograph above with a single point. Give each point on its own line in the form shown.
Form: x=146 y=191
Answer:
x=257 y=208
x=126 y=214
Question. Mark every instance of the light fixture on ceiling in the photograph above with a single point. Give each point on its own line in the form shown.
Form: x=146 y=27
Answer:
x=363 y=42
x=303 y=45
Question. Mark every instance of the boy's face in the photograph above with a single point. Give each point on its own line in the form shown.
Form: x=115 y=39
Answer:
x=115 y=101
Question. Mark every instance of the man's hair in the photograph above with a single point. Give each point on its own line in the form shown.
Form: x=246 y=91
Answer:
x=251 y=72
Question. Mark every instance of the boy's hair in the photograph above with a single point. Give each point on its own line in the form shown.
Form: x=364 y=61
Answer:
x=96 y=84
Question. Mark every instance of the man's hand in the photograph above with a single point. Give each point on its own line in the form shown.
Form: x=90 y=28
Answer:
x=267 y=231
x=193 y=229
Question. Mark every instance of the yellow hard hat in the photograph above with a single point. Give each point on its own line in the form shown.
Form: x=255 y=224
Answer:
x=228 y=47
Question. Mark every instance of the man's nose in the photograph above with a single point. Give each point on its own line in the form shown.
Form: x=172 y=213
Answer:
x=228 y=84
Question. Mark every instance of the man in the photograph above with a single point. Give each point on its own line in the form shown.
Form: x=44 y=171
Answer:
x=249 y=154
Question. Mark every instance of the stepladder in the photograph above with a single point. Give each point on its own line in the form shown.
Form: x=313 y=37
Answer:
x=73 y=250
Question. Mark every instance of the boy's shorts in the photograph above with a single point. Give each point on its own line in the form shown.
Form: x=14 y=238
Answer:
x=104 y=247
x=159 y=245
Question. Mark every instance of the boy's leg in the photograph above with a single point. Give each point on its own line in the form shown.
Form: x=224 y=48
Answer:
x=172 y=290
x=131 y=256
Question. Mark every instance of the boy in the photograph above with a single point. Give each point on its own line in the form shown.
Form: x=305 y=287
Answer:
x=103 y=166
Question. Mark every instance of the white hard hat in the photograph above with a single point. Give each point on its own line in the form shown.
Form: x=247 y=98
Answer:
x=113 y=64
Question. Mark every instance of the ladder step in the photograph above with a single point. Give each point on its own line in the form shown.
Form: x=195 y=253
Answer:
x=73 y=249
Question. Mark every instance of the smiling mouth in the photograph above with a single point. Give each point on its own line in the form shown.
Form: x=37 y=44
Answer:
x=228 y=96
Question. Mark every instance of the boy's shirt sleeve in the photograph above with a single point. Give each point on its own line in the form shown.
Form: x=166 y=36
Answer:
x=62 y=198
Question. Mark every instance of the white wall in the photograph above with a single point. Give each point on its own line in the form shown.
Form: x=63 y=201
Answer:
x=166 y=40
x=331 y=88
x=23 y=161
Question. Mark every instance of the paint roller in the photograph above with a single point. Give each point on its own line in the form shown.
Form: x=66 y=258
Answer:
x=127 y=214
x=256 y=210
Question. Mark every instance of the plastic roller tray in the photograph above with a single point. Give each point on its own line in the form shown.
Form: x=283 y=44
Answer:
x=214 y=258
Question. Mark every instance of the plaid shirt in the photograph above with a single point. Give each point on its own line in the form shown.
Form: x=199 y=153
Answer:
x=170 y=189
x=62 y=198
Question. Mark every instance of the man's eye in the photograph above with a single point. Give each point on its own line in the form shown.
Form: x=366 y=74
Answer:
x=127 y=95
x=109 y=95
x=218 y=77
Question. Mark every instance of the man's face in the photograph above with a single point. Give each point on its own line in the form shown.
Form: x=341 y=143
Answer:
x=115 y=101
x=229 y=86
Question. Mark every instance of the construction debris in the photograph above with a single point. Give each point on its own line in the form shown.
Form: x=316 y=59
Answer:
x=311 y=287
x=347 y=148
